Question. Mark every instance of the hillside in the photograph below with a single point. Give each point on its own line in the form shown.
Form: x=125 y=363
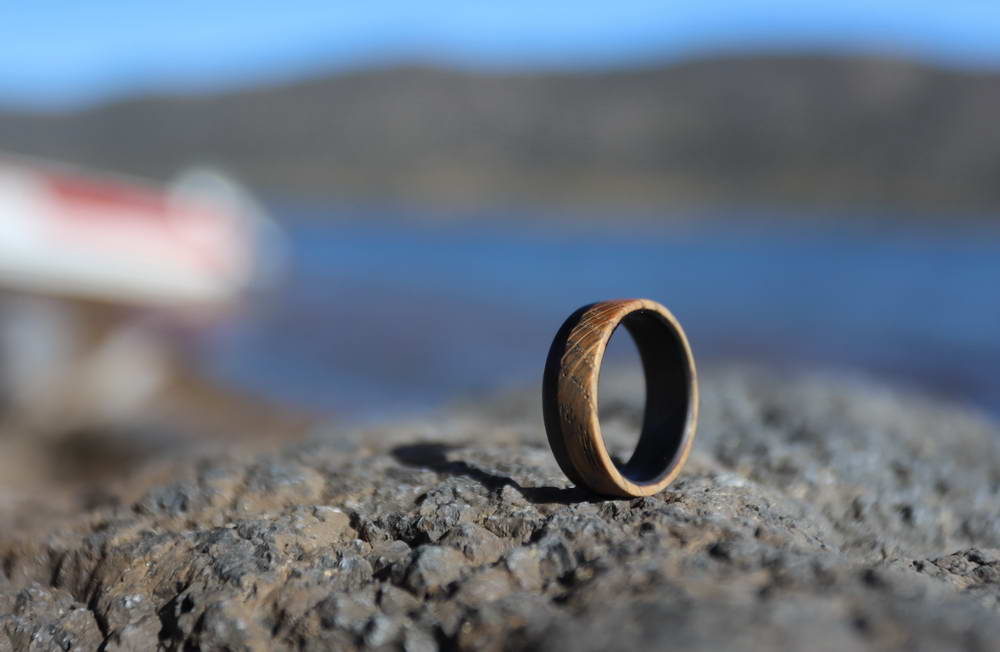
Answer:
x=799 y=130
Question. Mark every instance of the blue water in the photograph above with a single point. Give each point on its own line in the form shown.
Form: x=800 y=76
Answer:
x=388 y=314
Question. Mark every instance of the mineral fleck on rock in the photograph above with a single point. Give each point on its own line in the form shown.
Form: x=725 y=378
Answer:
x=814 y=514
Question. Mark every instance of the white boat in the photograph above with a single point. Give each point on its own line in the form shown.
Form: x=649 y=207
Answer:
x=65 y=232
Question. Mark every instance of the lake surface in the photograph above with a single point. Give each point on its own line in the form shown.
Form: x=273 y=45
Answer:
x=389 y=312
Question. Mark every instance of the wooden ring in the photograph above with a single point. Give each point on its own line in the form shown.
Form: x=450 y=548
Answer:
x=569 y=398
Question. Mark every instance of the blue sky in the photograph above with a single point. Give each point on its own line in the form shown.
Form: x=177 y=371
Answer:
x=59 y=53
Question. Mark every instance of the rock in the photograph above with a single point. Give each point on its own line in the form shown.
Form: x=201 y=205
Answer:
x=46 y=618
x=433 y=568
x=479 y=545
x=484 y=587
x=814 y=514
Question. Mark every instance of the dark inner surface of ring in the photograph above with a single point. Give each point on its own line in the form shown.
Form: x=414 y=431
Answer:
x=668 y=397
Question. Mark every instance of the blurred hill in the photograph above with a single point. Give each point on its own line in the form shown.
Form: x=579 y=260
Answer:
x=801 y=130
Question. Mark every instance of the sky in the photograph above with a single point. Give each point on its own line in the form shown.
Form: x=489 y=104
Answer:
x=61 y=53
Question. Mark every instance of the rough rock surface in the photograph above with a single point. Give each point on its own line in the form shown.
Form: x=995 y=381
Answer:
x=814 y=514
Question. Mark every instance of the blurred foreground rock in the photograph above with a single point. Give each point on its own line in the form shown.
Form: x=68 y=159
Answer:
x=814 y=514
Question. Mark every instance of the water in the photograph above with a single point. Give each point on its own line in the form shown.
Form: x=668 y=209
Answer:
x=384 y=315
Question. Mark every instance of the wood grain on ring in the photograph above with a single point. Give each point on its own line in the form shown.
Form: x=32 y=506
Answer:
x=570 y=398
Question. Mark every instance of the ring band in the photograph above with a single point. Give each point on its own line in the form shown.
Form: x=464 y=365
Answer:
x=569 y=398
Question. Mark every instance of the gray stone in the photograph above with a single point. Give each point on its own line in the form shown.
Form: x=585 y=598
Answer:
x=433 y=568
x=814 y=514
x=479 y=545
